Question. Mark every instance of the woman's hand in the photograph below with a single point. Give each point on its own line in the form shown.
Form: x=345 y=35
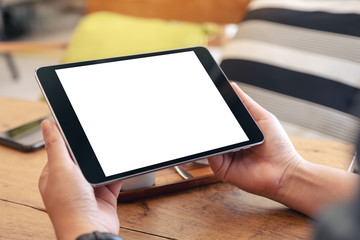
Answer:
x=275 y=170
x=259 y=169
x=73 y=205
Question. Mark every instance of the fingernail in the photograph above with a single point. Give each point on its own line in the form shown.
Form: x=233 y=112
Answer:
x=46 y=126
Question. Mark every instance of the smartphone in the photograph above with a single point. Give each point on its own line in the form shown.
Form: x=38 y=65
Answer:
x=26 y=138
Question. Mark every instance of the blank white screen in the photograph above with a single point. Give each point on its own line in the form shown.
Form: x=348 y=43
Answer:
x=145 y=111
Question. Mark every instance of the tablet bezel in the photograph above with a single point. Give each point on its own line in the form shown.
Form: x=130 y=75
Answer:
x=79 y=145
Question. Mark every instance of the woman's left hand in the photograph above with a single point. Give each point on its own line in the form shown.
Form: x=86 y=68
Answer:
x=73 y=205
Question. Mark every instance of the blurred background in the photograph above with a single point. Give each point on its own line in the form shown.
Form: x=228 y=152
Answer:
x=35 y=33
x=51 y=23
x=33 y=21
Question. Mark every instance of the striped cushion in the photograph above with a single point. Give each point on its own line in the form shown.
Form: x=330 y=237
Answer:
x=305 y=49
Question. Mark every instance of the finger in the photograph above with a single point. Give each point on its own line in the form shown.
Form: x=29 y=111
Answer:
x=43 y=177
x=109 y=193
x=215 y=162
x=58 y=155
x=253 y=107
x=115 y=187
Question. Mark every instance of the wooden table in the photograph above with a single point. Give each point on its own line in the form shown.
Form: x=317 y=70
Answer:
x=216 y=211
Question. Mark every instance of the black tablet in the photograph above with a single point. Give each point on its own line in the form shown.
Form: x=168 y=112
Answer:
x=126 y=116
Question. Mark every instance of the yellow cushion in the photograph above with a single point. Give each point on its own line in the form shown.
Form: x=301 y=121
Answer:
x=105 y=34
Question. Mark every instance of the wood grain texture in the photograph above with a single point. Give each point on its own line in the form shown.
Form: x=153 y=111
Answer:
x=218 y=211
x=20 y=171
x=334 y=154
x=15 y=112
x=20 y=221
x=217 y=11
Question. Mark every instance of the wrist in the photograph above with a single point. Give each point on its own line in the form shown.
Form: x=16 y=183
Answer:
x=310 y=188
x=98 y=236
x=289 y=187
x=71 y=227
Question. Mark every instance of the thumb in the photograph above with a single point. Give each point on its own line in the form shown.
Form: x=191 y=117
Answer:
x=57 y=152
x=256 y=111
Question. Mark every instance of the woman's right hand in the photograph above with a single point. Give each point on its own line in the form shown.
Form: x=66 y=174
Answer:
x=259 y=169
x=275 y=170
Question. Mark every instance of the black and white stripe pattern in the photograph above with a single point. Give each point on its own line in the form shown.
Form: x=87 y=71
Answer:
x=329 y=6
x=300 y=48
